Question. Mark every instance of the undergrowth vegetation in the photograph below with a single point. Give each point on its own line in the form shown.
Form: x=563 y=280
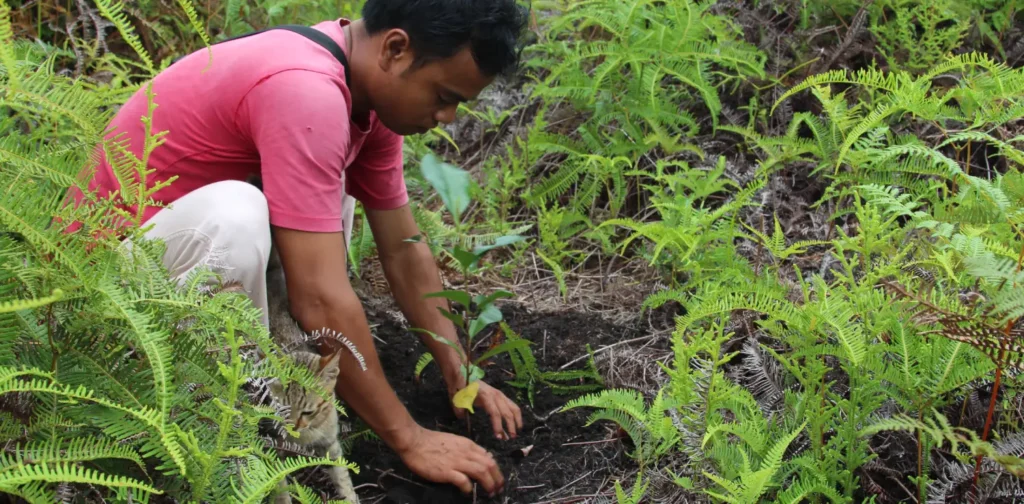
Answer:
x=830 y=194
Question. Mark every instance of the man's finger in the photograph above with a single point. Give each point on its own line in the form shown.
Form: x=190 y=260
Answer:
x=519 y=415
x=489 y=465
x=510 y=418
x=478 y=468
x=461 y=481
x=502 y=405
x=496 y=472
x=494 y=411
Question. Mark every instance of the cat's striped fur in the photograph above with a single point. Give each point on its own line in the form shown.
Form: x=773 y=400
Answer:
x=315 y=419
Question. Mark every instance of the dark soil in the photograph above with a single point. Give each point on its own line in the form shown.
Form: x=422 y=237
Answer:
x=551 y=469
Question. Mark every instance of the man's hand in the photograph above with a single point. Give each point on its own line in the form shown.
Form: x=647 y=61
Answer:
x=446 y=458
x=498 y=407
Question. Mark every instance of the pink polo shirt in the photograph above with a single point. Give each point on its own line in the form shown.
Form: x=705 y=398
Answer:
x=277 y=105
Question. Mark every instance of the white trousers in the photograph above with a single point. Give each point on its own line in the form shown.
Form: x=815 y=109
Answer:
x=225 y=226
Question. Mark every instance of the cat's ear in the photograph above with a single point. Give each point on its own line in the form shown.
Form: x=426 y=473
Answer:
x=329 y=369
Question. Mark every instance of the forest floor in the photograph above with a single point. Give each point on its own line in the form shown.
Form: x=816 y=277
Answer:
x=564 y=458
x=555 y=458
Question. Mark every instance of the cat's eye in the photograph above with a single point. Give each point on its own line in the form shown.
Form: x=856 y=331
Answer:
x=308 y=413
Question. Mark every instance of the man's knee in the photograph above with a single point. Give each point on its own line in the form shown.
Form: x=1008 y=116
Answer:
x=241 y=217
x=238 y=203
x=227 y=221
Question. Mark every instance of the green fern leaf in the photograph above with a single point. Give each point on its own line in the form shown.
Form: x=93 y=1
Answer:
x=112 y=10
x=66 y=472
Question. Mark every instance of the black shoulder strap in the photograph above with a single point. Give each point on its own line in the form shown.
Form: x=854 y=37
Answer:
x=309 y=32
x=324 y=40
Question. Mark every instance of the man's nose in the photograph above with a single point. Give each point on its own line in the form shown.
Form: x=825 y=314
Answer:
x=446 y=115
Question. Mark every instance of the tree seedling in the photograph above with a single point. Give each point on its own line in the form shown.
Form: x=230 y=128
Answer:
x=477 y=310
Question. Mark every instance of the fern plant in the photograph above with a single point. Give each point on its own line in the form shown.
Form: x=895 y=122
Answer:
x=627 y=67
x=847 y=350
x=119 y=383
x=914 y=35
x=648 y=427
x=987 y=94
x=693 y=235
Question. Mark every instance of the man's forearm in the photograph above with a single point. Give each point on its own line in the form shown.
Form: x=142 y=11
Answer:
x=366 y=391
x=412 y=273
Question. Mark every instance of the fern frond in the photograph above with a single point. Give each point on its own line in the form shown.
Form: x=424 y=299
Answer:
x=193 y=19
x=67 y=472
x=42 y=92
x=6 y=46
x=26 y=304
x=148 y=416
x=77 y=450
x=769 y=304
x=262 y=478
x=422 y=363
x=870 y=78
x=112 y=10
x=35 y=492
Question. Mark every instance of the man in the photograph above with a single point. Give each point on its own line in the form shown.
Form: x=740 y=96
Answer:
x=278 y=105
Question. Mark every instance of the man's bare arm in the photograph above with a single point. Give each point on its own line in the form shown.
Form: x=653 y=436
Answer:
x=320 y=297
x=412 y=273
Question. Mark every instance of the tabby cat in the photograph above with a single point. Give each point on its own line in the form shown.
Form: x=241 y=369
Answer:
x=313 y=418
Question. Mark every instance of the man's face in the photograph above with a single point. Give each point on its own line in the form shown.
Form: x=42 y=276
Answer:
x=412 y=100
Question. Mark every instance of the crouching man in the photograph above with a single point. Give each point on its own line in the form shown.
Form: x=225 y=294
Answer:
x=324 y=130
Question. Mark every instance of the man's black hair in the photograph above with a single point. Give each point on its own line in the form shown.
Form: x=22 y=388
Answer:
x=439 y=28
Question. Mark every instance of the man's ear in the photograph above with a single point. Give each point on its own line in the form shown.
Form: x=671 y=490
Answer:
x=329 y=369
x=395 y=50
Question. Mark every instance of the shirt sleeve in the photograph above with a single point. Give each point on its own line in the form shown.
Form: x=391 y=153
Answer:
x=376 y=177
x=298 y=122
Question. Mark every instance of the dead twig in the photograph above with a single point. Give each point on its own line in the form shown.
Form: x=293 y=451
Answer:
x=391 y=473
x=574 y=498
x=567 y=485
x=578 y=443
x=606 y=347
x=529 y=487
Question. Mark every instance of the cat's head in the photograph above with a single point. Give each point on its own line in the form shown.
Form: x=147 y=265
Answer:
x=306 y=408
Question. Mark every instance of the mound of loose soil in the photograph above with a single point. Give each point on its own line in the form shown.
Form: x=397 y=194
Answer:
x=566 y=458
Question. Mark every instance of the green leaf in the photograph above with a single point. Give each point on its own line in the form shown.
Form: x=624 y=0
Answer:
x=454 y=295
x=504 y=347
x=482 y=301
x=466 y=258
x=475 y=373
x=442 y=340
x=489 y=315
x=454 y=317
x=501 y=241
x=421 y=364
x=450 y=182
